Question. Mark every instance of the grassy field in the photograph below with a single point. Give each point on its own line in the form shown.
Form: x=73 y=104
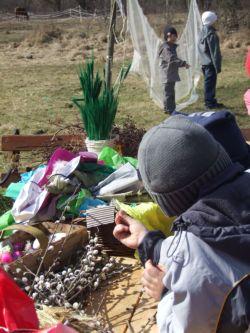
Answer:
x=38 y=66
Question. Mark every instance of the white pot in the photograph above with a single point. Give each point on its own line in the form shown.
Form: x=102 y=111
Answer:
x=96 y=146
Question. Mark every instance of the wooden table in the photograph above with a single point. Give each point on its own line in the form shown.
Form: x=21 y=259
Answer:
x=123 y=305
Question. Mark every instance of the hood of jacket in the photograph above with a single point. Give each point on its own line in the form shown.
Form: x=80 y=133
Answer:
x=222 y=215
x=206 y=32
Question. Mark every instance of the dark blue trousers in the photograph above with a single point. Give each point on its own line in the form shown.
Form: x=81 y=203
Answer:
x=169 y=98
x=210 y=80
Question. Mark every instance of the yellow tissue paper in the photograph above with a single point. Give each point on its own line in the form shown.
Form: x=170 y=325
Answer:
x=150 y=215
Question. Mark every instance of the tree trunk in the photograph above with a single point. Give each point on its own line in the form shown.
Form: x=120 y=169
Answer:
x=169 y=11
x=58 y=5
x=111 y=42
x=83 y=4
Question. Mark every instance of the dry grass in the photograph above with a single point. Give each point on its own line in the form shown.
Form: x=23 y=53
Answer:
x=39 y=61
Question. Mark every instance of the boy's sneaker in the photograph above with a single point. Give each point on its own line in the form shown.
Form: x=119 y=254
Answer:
x=216 y=106
x=169 y=113
x=220 y=105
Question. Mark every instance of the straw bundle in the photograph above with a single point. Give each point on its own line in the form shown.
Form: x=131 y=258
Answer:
x=49 y=316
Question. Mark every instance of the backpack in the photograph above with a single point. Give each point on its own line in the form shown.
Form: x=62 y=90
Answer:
x=223 y=127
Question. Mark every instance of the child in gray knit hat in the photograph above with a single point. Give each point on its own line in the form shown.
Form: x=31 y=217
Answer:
x=201 y=273
x=170 y=64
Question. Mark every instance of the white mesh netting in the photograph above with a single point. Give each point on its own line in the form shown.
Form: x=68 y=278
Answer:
x=146 y=62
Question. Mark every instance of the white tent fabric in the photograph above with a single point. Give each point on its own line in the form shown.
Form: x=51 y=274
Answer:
x=120 y=6
x=146 y=62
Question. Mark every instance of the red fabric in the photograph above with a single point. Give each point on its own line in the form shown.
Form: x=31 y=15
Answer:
x=247 y=65
x=17 y=310
x=247 y=100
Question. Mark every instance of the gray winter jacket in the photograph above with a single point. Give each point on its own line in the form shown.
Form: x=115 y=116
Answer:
x=209 y=48
x=170 y=63
x=205 y=259
x=198 y=278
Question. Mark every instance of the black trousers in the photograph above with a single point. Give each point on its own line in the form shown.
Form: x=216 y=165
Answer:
x=169 y=99
x=210 y=80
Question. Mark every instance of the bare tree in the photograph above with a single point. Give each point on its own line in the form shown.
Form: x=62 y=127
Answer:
x=205 y=4
x=169 y=11
x=84 y=4
x=95 y=5
x=228 y=10
x=55 y=4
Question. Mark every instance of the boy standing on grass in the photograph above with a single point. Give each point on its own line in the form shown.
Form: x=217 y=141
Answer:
x=210 y=59
x=170 y=63
x=200 y=275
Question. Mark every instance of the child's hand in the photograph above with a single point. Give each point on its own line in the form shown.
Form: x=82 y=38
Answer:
x=187 y=66
x=152 y=280
x=128 y=231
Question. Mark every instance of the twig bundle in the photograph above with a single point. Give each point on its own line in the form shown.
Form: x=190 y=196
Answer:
x=69 y=286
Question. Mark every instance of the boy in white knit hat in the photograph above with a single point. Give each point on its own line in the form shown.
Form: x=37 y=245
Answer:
x=210 y=59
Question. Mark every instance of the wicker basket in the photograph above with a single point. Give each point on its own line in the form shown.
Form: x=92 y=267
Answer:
x=101 y=222
x=58 y=255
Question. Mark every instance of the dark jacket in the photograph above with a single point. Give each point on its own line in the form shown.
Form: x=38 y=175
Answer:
x=170 y=63
x=209 y=48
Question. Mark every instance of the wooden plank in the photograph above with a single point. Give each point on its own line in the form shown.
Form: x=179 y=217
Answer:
x=30 y=142
x=117 y=302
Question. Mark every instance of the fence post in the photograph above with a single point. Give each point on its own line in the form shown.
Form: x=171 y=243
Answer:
x=80 y=13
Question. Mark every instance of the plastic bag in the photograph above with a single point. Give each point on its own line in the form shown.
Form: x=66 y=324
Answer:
x=58 y=155
x=90 y=203
x=91 y=174
x=74 y=204
x=59 y=184
x=5 y=220
x=33 y=197
x=112 y=158
x=17 y=310
x=13 y=190
x=124 y=179
x=150 y=215
x=30 y=199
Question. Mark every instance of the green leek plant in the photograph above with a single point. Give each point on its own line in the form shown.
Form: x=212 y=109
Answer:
x=98 y=104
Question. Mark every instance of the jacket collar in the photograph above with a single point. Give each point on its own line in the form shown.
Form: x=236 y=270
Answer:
x=231 y=172
x=207 y=30
x=172 y=45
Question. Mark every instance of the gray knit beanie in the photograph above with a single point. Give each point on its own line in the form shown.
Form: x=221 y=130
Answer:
x=176 y=159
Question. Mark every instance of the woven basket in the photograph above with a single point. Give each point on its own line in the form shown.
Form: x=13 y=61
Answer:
x=61 y=251
x=100 y=222
x=110 y=244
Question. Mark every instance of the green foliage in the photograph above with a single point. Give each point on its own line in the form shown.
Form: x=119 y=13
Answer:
x=99 y=103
